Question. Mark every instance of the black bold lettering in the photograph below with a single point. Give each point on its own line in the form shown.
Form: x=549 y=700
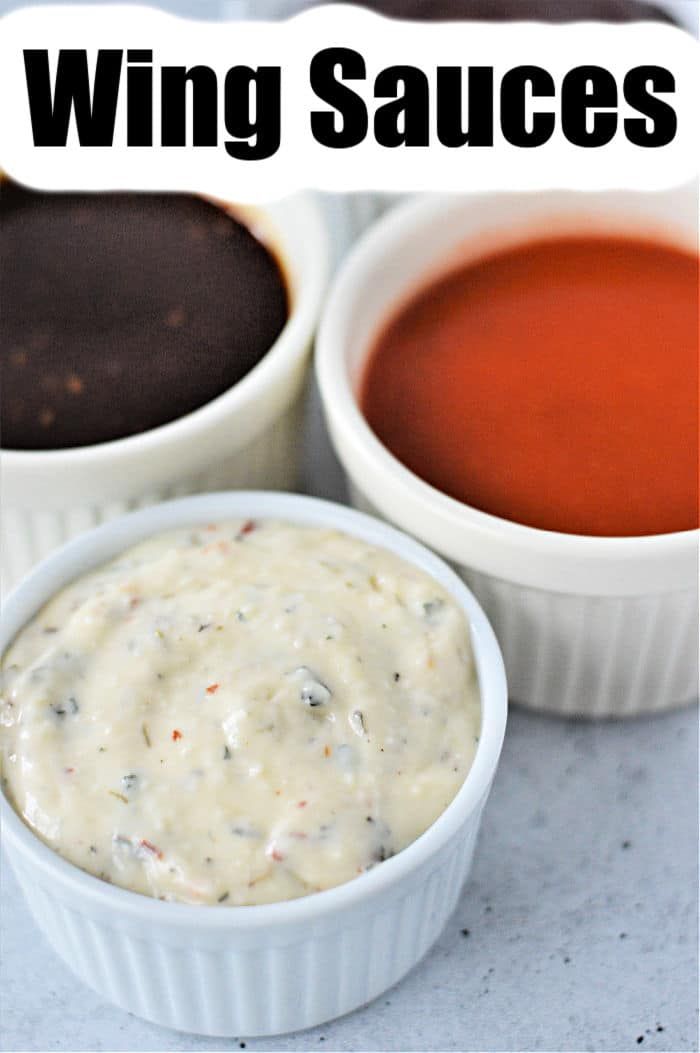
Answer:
x=255 y=125
x=406 y=120
x=450 y=118
x=173 y=105
x=139 y=99
x=584 y=90
x=345 y=102
x=94 y=116
x=664 y=122
x=513 y=106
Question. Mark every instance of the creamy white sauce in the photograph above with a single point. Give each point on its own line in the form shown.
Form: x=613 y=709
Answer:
x=241 y=713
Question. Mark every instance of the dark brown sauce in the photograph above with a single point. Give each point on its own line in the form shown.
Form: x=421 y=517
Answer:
x=123 y=311
x=511 y=10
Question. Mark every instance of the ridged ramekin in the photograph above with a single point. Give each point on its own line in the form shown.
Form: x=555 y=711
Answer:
x=256 y=970
x=249 y=436
x=589 y=626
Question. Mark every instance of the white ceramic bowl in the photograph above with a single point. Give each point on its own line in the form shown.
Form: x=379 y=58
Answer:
x=247 y=437
x=263 y=969
x=588 y=626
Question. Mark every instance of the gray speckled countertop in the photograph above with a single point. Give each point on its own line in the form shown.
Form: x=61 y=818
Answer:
x=576 y=931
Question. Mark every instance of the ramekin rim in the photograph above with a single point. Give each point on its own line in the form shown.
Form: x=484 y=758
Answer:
x=289 y=344
x=342 y=408
x=493 y=700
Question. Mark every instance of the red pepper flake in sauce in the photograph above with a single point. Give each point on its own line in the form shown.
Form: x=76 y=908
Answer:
x=212 y=689
x=302 y=804
x=151 y=848
x=247 y=528
x=176 y=735
x=277 y=855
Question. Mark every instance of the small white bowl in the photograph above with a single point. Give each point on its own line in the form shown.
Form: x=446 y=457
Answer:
x=249 y=436
x=589 y=626
x=257 y=970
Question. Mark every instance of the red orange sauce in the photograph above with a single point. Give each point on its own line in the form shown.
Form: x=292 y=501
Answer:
x=554 y=384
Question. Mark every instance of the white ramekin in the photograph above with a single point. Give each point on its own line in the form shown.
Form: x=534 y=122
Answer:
x=265 y=969
x=588 y=626
x=247 y=437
